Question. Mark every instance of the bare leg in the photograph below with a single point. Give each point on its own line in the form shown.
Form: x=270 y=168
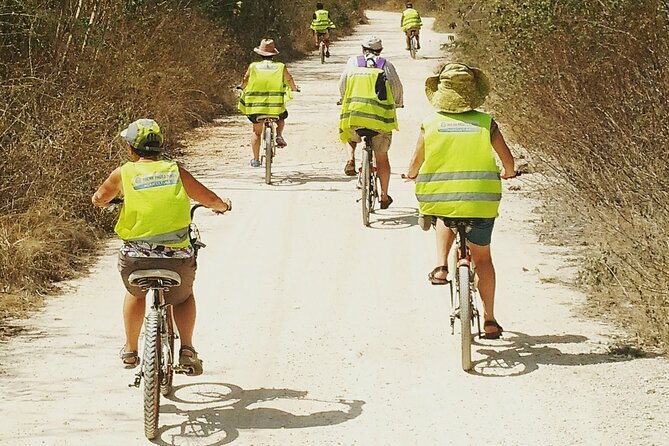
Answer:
x=133 y=318
x=280 y=124
x=486 y=280
x=184 y=318
x=351 y=150
x=408 y=39
x=445 y=239
x=255 y=140
x=383 y=168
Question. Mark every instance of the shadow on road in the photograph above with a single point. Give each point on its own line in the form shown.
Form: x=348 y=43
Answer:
x=522 y=354
x=394 y=218
x=214 y=413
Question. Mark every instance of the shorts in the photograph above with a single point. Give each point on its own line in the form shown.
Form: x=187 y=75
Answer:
x=184 y=266
x=481 y=232
x=408 y=31
x=325 y=34
x=380 y=143
x=254 y=118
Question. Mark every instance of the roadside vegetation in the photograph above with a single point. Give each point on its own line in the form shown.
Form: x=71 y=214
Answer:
x=74 y=73
x=585 y=87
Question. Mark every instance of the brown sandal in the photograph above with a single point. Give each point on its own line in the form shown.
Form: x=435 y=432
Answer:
x=438 y=280
x=492 y=335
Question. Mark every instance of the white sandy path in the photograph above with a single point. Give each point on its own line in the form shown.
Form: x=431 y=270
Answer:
x=317 y=331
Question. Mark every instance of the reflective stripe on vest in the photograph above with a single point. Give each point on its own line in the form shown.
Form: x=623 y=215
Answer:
x=156 y=208
x=361 y=107
x=411 y=19
x=322 y=21
x=459 y=177
x=265 y=92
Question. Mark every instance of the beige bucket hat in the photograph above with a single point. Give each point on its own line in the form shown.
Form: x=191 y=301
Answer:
x=267 y=47
x=457 y=88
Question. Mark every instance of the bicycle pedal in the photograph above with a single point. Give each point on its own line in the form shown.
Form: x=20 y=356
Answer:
x=137 y=381
x=183 y=369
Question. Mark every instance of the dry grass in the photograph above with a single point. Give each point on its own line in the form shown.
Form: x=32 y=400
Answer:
x=585 y=85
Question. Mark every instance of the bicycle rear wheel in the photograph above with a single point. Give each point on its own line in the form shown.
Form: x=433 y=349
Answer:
x=464 y=293
x=167 y=366
x=413 y=46
x=151 y=373
x=367 y=193
x=321 y=51
x=268 y=149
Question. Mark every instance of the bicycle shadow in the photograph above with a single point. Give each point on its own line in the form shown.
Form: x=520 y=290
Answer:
x=221 y=410
x=525 y=354
x=394 y=218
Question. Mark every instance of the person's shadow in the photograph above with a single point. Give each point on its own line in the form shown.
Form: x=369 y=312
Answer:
x=214 y=413
x=521 y=354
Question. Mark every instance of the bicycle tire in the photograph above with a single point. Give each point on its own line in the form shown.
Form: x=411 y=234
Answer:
x=366 y=189
x=167 y=362
x=464 y=295
x=412 y=46
x=151 y=373
x=268 y=148
x=321 y=51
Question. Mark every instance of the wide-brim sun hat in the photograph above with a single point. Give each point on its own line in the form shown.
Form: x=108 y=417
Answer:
x=267 y=47
x=457 y=88
x=372 y=43
x=144 y=134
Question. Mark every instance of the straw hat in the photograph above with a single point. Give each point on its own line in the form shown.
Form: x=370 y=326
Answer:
x=457 y=88
x=266 y=48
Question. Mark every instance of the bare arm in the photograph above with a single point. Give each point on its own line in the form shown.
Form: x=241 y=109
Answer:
x=418 y=156
x=108 y=190
x=245 y=79
x=289 y=80
x=200 y=193
x=502 y=150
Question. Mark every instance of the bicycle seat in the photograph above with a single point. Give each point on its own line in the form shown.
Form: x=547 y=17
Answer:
x=366 y=133
x=267 y=118
x=137 y=278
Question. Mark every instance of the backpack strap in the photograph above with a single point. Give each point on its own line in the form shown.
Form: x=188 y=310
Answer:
x=362 y=62
x=380 y=62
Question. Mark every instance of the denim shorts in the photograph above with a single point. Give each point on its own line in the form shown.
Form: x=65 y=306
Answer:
x=481 y=232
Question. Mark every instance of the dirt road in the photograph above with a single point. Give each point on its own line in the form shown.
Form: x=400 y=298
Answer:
x=317 y=331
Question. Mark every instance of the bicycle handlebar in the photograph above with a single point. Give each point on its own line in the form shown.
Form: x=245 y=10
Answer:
x=119 y=200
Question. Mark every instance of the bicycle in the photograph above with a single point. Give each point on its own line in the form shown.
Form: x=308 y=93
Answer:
x=321 y=47
x=267 y=144
x=367 y=177
x=157 y=365
x=413 y=44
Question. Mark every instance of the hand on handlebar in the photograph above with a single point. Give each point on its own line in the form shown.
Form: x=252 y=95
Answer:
x=228 y=204
x=408 y=178
x=505 y=176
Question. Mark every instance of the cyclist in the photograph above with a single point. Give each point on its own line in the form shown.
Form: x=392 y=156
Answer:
x=153 y=224
x=456 y=173
x=320 y=26
x=411 y=21
x=267 y=86
x=371 y=91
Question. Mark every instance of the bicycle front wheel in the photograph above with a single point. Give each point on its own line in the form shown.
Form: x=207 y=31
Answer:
x=367 y=198
x=151 y=373
x=268 y=148
x=464 y=293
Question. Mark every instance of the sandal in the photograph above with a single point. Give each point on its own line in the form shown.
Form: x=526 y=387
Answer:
x=190 y=361
x=280 y=142
x=385 y=204
x=492 y=335
x=130 y=359
x=349 y=169
x=438 y=280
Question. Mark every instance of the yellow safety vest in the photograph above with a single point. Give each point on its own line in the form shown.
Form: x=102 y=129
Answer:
x=156 y=208
x=322 y=21
x=459 y=177
x=361 y=107
x=265 y=93
x=411 y=19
